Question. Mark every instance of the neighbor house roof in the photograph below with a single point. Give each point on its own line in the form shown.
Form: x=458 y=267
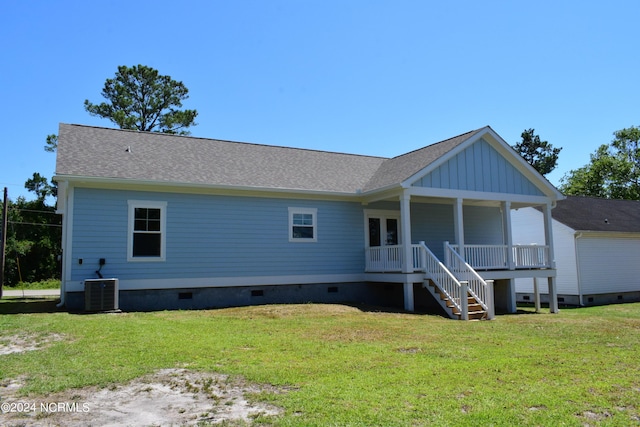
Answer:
x=594 y=214
x=151 y=157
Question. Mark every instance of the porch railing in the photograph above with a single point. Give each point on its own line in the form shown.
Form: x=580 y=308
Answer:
x=435 y=270
x=454 y=278
x=480 y=289
x=386 y=259
x=495 y=257
x=487 y=257
x=531 y=256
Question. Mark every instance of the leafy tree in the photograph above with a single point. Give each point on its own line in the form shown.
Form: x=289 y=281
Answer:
x=139 y=98
x=539 y=154
x=613 y=172
x=39 y=185
x=34 y=241
x=52 y=143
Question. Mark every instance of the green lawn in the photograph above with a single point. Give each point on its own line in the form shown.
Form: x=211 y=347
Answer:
x=43 y=284
x=345 y=366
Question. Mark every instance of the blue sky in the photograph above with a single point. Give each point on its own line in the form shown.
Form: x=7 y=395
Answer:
x=368 y=77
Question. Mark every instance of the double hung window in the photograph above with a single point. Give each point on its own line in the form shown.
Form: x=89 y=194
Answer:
x=147 y=234
x=303 y=225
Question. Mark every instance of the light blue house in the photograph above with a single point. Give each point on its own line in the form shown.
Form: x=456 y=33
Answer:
x=186 y=222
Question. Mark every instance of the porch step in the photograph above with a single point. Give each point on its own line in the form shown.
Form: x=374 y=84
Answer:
x=476 y=312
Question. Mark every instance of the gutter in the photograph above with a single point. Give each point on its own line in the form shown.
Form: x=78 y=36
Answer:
x=62 y=293
x=62 y=208
x=197 y=187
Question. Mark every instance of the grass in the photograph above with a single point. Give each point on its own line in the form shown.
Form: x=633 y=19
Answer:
x=350 y=367
x=42 y=284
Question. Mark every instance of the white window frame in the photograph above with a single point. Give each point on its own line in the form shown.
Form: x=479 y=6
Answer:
x=147 y=204
x=314 y=225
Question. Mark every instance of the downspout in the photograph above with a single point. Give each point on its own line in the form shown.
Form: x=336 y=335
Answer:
x=575 y=242
x=62 y=208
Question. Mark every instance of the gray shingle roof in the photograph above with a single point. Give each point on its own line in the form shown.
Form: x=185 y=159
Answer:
x=100 y=152
x=398 y=169
x=86 y=151
x=594 y=214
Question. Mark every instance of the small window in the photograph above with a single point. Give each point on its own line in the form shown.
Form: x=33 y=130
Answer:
x=302 y=225
x=146 y=241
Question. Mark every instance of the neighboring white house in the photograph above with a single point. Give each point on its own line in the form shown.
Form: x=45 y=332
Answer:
x=597 y=250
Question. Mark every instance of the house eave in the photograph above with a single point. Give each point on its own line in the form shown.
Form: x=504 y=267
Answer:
x=187 y=187
x=606 y=234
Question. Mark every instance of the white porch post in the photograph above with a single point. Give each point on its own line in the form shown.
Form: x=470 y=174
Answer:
x=508 y=241
x=508 y=233
x=458 y=224
x=405 y=220
x=553 y=295
x=511 y=296
x=548 y=240
x=407 y=252
x=408 y=295
x=491 y=302
x=536 y=294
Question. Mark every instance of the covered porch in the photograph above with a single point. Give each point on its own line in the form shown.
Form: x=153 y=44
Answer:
x=467 y=238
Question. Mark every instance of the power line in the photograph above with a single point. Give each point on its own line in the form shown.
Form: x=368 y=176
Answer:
x=33 y=210
x=34 y=223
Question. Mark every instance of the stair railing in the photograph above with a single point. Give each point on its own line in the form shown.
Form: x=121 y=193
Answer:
x=480 y=289
x=443 y=278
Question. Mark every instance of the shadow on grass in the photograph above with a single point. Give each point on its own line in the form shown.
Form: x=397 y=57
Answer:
x=527 y=308
x=418 y=311
x=9 y=305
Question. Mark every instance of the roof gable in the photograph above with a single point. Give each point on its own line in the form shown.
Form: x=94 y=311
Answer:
x=479 y=167
x=594 y=214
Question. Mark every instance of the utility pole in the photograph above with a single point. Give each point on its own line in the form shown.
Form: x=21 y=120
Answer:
x=3 y=243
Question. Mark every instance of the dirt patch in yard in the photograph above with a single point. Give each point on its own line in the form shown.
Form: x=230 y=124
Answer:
x=22 y=343
x=166 y=398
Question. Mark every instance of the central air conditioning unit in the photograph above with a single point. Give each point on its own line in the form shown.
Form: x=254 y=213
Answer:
x=101 y=294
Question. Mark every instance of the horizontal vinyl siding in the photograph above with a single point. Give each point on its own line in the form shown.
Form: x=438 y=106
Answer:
x=482 y=225
x=609 y=265
x=433 y=224
x=528 y=228
x=479 y=168
x=216 y=236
